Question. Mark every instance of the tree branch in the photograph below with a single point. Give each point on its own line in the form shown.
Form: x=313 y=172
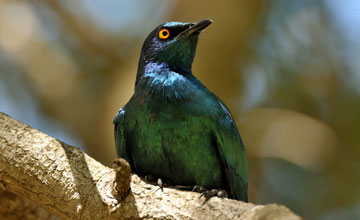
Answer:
x=71 y=185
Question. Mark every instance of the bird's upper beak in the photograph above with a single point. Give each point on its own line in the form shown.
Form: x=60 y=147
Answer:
x=196 y=27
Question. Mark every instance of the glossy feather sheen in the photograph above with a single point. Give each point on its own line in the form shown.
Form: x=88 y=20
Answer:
x=174 y=128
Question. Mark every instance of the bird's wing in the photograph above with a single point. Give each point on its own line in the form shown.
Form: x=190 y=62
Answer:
x=119 y=127
x=232 y=154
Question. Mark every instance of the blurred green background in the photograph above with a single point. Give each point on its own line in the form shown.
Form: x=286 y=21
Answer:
x=288 y=70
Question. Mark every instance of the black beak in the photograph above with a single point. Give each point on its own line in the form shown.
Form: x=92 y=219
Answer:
x=196 y=27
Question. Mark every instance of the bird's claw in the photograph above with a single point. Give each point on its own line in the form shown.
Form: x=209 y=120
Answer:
x=199 y=189
x=181 y=187
x=214 y=192
x=160 y=183
x=149 y=178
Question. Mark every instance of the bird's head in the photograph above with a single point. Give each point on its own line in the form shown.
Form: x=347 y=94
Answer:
x=173 y=43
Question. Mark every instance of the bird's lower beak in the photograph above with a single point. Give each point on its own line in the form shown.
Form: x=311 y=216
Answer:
x=196 y=27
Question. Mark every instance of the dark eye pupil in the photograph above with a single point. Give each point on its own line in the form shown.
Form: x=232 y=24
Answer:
x=165 y=33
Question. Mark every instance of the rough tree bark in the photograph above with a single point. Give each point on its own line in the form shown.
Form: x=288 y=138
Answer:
x=63 y=180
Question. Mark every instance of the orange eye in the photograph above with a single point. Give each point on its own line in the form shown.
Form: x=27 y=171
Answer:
x=164 y=33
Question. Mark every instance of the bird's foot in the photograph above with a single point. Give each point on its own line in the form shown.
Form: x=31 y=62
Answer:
x=159 y=181
x=210 y=193
x=149 y=178
x=199 y=189
x=181 y=187
x=214 y=192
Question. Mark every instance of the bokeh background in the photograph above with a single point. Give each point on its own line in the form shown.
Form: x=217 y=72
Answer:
x=288 y=70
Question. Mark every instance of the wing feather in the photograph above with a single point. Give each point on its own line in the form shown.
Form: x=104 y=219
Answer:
x=119 y=133
x=232 y=153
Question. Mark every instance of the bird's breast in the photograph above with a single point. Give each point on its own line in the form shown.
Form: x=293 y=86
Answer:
x=174 y=142
x=166 y=84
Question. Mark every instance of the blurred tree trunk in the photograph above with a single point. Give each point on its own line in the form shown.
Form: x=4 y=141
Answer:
x=226 y=47
x=13 y=207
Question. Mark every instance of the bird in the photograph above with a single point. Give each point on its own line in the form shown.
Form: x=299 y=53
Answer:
x=175 y=128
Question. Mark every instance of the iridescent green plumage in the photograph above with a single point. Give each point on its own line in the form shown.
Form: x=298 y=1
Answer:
x=173 y=127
